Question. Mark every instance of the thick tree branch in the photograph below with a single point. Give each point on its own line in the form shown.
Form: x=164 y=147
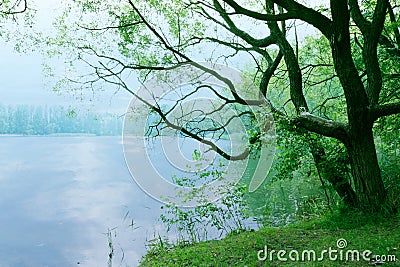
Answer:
x=309 y=15
x=378 y=20
x=268 y=73
x=260 y=16
x=370 y=54
x=385 y=110
x=362 y=23
x=294 y=72
x=294 y=11
x=353 y=87
x=266 y=77
x=321 y=126
x=265 y=42
x=372 y=32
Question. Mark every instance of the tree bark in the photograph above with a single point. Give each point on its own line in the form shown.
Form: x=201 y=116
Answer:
x=369 y=187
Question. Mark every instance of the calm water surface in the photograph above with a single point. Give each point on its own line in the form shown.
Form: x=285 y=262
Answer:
x=60 y=195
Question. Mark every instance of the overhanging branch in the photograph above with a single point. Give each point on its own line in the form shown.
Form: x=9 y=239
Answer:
x=109 y=73
x=321 y=126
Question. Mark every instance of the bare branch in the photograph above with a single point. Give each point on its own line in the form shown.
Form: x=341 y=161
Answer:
x=12 y=10
x=322 y=81
x=233 y=45
x=111 y=27
x=106 y=73
x=326 y=101
x=116 y=75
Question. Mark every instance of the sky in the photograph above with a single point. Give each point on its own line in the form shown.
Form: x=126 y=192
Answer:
x=21 y=77
x=22 y=80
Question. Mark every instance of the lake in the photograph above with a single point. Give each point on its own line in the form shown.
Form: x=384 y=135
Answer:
x=61 y=195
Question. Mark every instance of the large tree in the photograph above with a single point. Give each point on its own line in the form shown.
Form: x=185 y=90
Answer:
x=151 y=36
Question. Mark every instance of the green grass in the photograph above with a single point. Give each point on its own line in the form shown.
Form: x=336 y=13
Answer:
x=378 y=233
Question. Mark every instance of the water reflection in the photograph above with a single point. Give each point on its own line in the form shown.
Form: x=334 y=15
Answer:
x=60 y=195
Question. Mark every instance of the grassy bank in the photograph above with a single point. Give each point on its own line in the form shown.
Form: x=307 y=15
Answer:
x=377 y=233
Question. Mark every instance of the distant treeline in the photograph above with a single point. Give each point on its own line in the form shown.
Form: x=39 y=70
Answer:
x=43 y=120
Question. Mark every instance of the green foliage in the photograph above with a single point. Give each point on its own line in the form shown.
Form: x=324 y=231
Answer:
x=227 y=215
x=387 y=134
x=17 y=17
x=13 y=9
x=321 y=86
x=197 y=224
x=293 y=189
x=294 y=199
x=110 y=234
x=213 y=219
x=139 y=45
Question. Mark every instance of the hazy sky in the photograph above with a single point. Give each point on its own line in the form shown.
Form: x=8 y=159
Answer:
x=22 y=80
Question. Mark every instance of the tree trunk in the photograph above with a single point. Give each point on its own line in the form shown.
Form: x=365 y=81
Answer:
x=368 y=183
x=330 y=173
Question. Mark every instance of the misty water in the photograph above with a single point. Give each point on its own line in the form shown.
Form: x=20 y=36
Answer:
x=64 y=197
x=61 y=195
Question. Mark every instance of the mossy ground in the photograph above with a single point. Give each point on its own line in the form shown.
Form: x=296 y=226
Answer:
x=377 y=233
